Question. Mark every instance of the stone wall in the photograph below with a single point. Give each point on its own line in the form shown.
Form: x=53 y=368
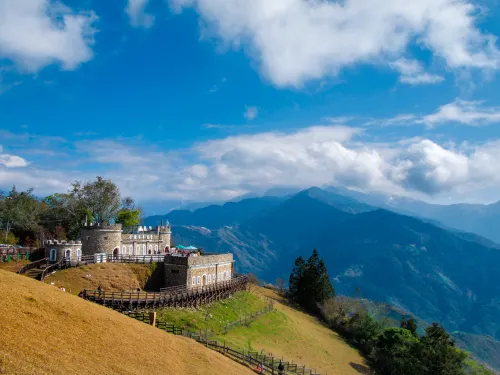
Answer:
x=198 y=271
x=58 y=250
x=101 y=239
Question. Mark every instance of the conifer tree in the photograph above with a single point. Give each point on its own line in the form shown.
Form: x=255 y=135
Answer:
x=309 y=282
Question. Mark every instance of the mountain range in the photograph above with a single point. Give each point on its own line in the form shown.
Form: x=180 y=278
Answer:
x=414 y=261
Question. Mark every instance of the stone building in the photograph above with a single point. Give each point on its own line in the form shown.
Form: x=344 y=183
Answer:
x=195 y=271
x=56 y=250
x=110 y=239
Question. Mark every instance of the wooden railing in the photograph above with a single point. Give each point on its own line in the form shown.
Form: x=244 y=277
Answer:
x=110 y=258
x=179 y=297
x=262 y=363
x=52 y=268
x=33 y=265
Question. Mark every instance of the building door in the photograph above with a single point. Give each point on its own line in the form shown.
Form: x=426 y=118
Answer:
x=67 y=254
x=115 y=253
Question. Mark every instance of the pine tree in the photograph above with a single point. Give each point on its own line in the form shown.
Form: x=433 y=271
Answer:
x=309 y=282
x=296 y=277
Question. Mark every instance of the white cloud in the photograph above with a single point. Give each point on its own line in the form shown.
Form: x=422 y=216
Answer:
x=296 y=41
x=251 y=113
x=136 y=11
x=472 y=113
x=413 y=73
x=36 y=33
x=226 y=167
x=464 y=112
x=11 y=161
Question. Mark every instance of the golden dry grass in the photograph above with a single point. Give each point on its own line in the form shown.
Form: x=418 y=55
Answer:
x=300 y=337
x=13 y=265
x=46 y=331
x=111 y=276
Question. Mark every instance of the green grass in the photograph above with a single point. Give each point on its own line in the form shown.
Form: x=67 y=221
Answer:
x=272 y=326
x=216 y=316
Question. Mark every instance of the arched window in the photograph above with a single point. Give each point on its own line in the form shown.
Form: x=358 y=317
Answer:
x=209 y=279
x=78 y=254
x=213 y=278
x=131 y=250
x=124 y=249
x=53 y=255
x=150 y=249
x=193 y=281
x=229 y=275
x=137 y=250
x=67 y=254
x=143 y=249
x=198 y=280
x=156 y=249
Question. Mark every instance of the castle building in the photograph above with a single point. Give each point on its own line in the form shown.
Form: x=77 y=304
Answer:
x=189 y=269
x=198 y=271
x=110 y=239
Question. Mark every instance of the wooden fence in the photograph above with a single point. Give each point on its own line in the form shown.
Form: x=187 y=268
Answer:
x=262 y=363
x=173 y=298
x=37 y=264
x=110 y=258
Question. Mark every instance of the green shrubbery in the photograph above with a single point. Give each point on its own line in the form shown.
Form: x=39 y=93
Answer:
x=390 y=350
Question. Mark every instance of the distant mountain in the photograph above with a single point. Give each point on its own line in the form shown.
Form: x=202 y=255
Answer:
x=435 y=273
x=482 y=219
x=216 y=216
x=484 y=348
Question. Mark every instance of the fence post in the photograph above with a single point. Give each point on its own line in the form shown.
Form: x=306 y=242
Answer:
x=152 y=318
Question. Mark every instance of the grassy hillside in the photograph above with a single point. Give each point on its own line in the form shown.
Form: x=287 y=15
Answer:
x=13 y=266
x=46 y=331
x=285 y=332
x=112 y=277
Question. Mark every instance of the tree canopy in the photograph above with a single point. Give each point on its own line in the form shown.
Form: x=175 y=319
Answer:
x=25 y=217
x=309 y=283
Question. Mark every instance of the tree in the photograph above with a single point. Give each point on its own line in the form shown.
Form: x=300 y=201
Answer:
x=296 y=277
x=309 y=282
x=101 y=197
x=395 y=353
x=438 y=355
x=128 y=218
x=410 y=325
x=280 y=284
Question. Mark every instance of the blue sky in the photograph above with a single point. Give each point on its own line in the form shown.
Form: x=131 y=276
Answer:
x=211 y=99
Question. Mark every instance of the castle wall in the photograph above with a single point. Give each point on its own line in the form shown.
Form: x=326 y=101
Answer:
x=101 y=239
x=198 y=271
x=58 y=250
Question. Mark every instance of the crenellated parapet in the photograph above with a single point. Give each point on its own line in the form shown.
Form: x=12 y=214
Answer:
x=98 y=226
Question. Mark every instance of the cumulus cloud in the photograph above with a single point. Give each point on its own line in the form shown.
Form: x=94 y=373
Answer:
x=413 y=73
x=36 y=33
x=296 y=41
x=136 y=11
x=11 y=161
x=227 y=167
x=251 y=113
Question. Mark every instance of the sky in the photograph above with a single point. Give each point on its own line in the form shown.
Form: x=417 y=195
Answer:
x=204 y=100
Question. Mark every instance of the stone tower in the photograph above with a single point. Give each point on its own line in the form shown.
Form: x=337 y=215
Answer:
x=165 y=234
x=101 y=238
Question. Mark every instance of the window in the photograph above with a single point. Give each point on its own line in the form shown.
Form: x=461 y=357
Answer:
x=175 y=271
x=228 y=275
x=131 y=249
x=209 y=278
x=198 y=280
x=143 y=249
x=105 y=238
x=193 y=282
x=213 y=278
x=124 y=249
x=156 y=248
